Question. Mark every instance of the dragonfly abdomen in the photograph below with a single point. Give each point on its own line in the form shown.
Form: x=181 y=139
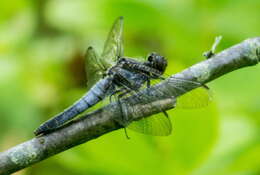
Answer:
x=97 y=93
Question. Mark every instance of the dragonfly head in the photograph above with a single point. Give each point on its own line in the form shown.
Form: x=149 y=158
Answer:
x=157 y=62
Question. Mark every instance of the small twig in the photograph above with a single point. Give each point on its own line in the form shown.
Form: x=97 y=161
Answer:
x=212 y=51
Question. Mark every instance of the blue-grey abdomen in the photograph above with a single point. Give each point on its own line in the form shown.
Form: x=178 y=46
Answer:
x=97 y=93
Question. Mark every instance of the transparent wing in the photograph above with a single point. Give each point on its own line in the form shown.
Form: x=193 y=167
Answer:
x=93 y=67
x=199 y=97
x=157 y=125
x=113 y=48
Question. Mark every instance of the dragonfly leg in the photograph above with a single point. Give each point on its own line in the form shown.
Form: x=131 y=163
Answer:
x=115 y=92
x=126 y=134
x=165 y=113
x=148 y=83
x=258 y=52
x=124 y=90
x=212 y=51
x=124 y=118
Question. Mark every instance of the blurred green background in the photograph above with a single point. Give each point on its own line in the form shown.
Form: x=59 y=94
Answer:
x=42 y=43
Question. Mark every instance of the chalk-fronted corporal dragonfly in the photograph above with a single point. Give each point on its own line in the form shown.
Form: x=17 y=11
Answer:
x=113 y=74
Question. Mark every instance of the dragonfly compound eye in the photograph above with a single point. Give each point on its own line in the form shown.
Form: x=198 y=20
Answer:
x=150 y=58
x=162 y=64
x=157 y=62
x=122 y=60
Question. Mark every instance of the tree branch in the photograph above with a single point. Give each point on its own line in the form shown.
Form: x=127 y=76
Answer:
x=105 y=120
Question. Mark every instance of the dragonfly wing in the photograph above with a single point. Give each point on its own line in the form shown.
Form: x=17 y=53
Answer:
x=157 y=125
x=93 y=67
x=196 y=98
x=113 y=48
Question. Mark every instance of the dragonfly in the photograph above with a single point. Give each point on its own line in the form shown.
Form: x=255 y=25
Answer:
x=113 y=74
